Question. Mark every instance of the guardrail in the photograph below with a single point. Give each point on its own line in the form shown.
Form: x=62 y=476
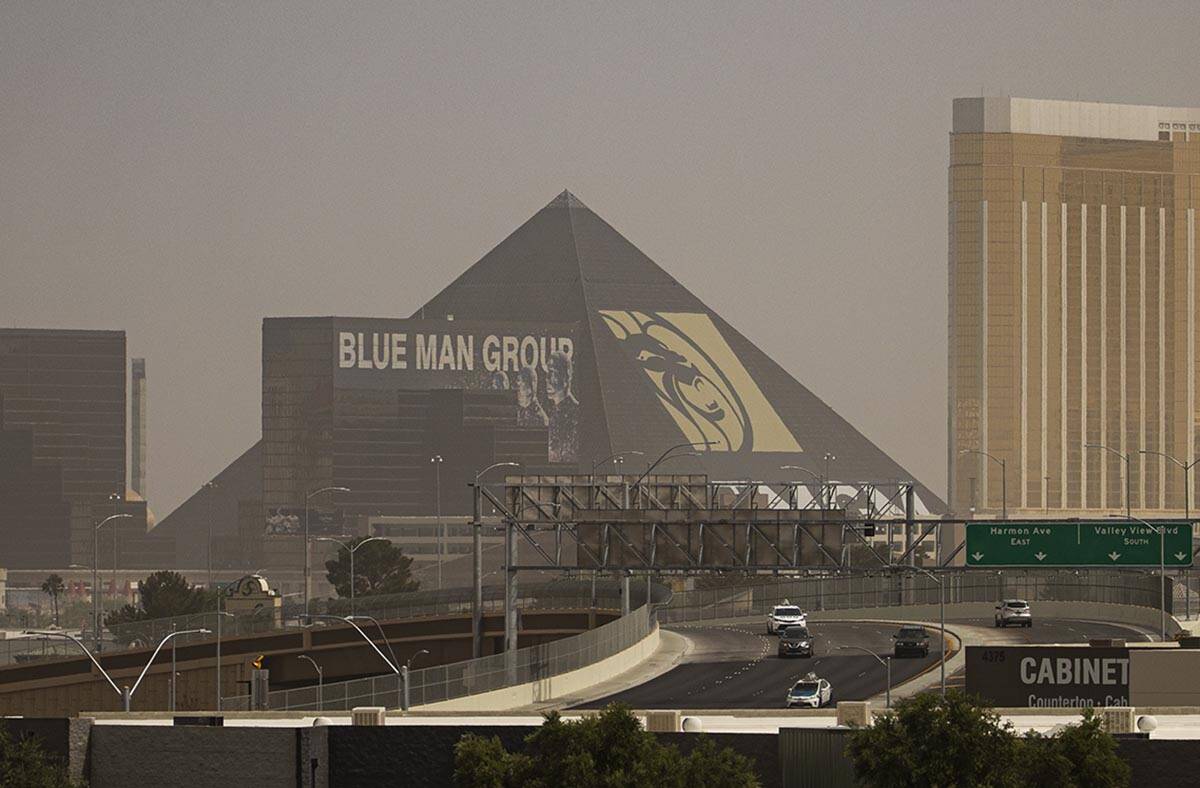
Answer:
x=844 y=592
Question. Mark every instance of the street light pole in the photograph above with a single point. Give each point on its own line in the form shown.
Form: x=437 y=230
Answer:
x=404 y=671
x=307 y=578
x=1161 y=530
x=887 y=664
x=126 y=693
x=351 y=551
x=664 y=456
x=828 y=481
x=371 y=643
x=1128 y=480
x=320 y=681
x=209 y=488
x=477 y=544
x=941 y=624
x=820 y=481
x=96 y=605
x=1186 y=467
x=1003 y=479
x=437 y=508
x=220 y=614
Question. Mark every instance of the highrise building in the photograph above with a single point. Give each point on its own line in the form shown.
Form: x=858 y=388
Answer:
x=62 y=453
x=137 y=426
x=1072 y=289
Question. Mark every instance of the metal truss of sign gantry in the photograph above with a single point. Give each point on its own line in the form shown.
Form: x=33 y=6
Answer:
x=687 y=523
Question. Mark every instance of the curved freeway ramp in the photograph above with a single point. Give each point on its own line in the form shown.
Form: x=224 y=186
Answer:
x=734 y=665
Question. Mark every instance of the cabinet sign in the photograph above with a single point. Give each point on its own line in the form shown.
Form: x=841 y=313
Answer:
x=1049 y=677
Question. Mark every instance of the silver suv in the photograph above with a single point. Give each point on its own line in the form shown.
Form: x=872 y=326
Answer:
x=1013 y=611
x=783 y=616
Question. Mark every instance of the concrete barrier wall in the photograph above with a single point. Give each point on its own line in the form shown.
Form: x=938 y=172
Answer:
x=554 y=686
x=1164 y=677
x=1147 y=617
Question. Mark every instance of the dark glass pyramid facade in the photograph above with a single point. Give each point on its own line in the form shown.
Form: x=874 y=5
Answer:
x=654 y=366
x=562 y=346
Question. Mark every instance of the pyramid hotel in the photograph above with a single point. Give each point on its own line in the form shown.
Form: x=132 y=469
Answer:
x=561 y=347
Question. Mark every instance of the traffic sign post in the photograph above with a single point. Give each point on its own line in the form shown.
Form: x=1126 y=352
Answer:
x=1095 y=543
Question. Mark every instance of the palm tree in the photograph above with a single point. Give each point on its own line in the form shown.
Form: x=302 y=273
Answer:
x=53 y=585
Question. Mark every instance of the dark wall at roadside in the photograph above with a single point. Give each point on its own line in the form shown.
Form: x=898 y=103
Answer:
x=190 y=756
x=761 y=748
x=65 y=739
x=416 y=756
x=423 y=755
x=187 y=756
x=1161 y=762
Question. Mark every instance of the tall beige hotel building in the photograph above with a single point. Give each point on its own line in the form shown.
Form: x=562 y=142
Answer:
x=1073 y=295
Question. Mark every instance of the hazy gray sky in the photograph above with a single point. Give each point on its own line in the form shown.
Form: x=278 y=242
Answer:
x=180 y=171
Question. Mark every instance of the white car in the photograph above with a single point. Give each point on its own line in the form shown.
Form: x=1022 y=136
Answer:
x=810 y=692
x=783 y=616
x=1014 y=611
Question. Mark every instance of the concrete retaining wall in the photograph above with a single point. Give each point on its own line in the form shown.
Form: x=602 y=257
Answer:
x=1147 y=617
x=1164 y=677
x=553 y=687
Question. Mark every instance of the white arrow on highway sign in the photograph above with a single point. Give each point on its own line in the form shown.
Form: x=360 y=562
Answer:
x=1114 y=555
x=977 y=556
x=1039 y=556
x=1180 y=556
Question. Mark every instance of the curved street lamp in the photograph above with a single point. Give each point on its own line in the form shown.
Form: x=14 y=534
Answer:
x=404 y=671
x=1128 y=488
x=126 y=693
x=320 y=680
x=664 y=455
x=351 y=551
x=885 y=661
x=618 y=457
x=437 y=460
x=307 y=579
x=382 y=634
x=371 y=643
x=95 y=575
x=1003 y=479
x=820 y=481
x=1186 y=467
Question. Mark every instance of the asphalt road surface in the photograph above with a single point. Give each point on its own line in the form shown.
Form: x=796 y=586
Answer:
x=736 y=666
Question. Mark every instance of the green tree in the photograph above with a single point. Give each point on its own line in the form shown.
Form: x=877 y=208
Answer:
x=25 y=764
x=164 y=594
x=610 y=749
x=1078 y=756
x=925 y=741
x=379 y=568
x=54 y=586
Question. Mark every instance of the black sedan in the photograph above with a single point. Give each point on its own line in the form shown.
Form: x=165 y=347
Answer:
x=911 y=641
x=795 y=642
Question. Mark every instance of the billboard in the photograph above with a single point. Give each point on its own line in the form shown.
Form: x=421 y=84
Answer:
x=699 y=381
x=1049 y=676
x=534 y=360
x=289 y=521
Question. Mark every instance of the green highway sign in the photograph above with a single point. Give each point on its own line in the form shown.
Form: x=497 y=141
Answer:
x=1095 y=543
